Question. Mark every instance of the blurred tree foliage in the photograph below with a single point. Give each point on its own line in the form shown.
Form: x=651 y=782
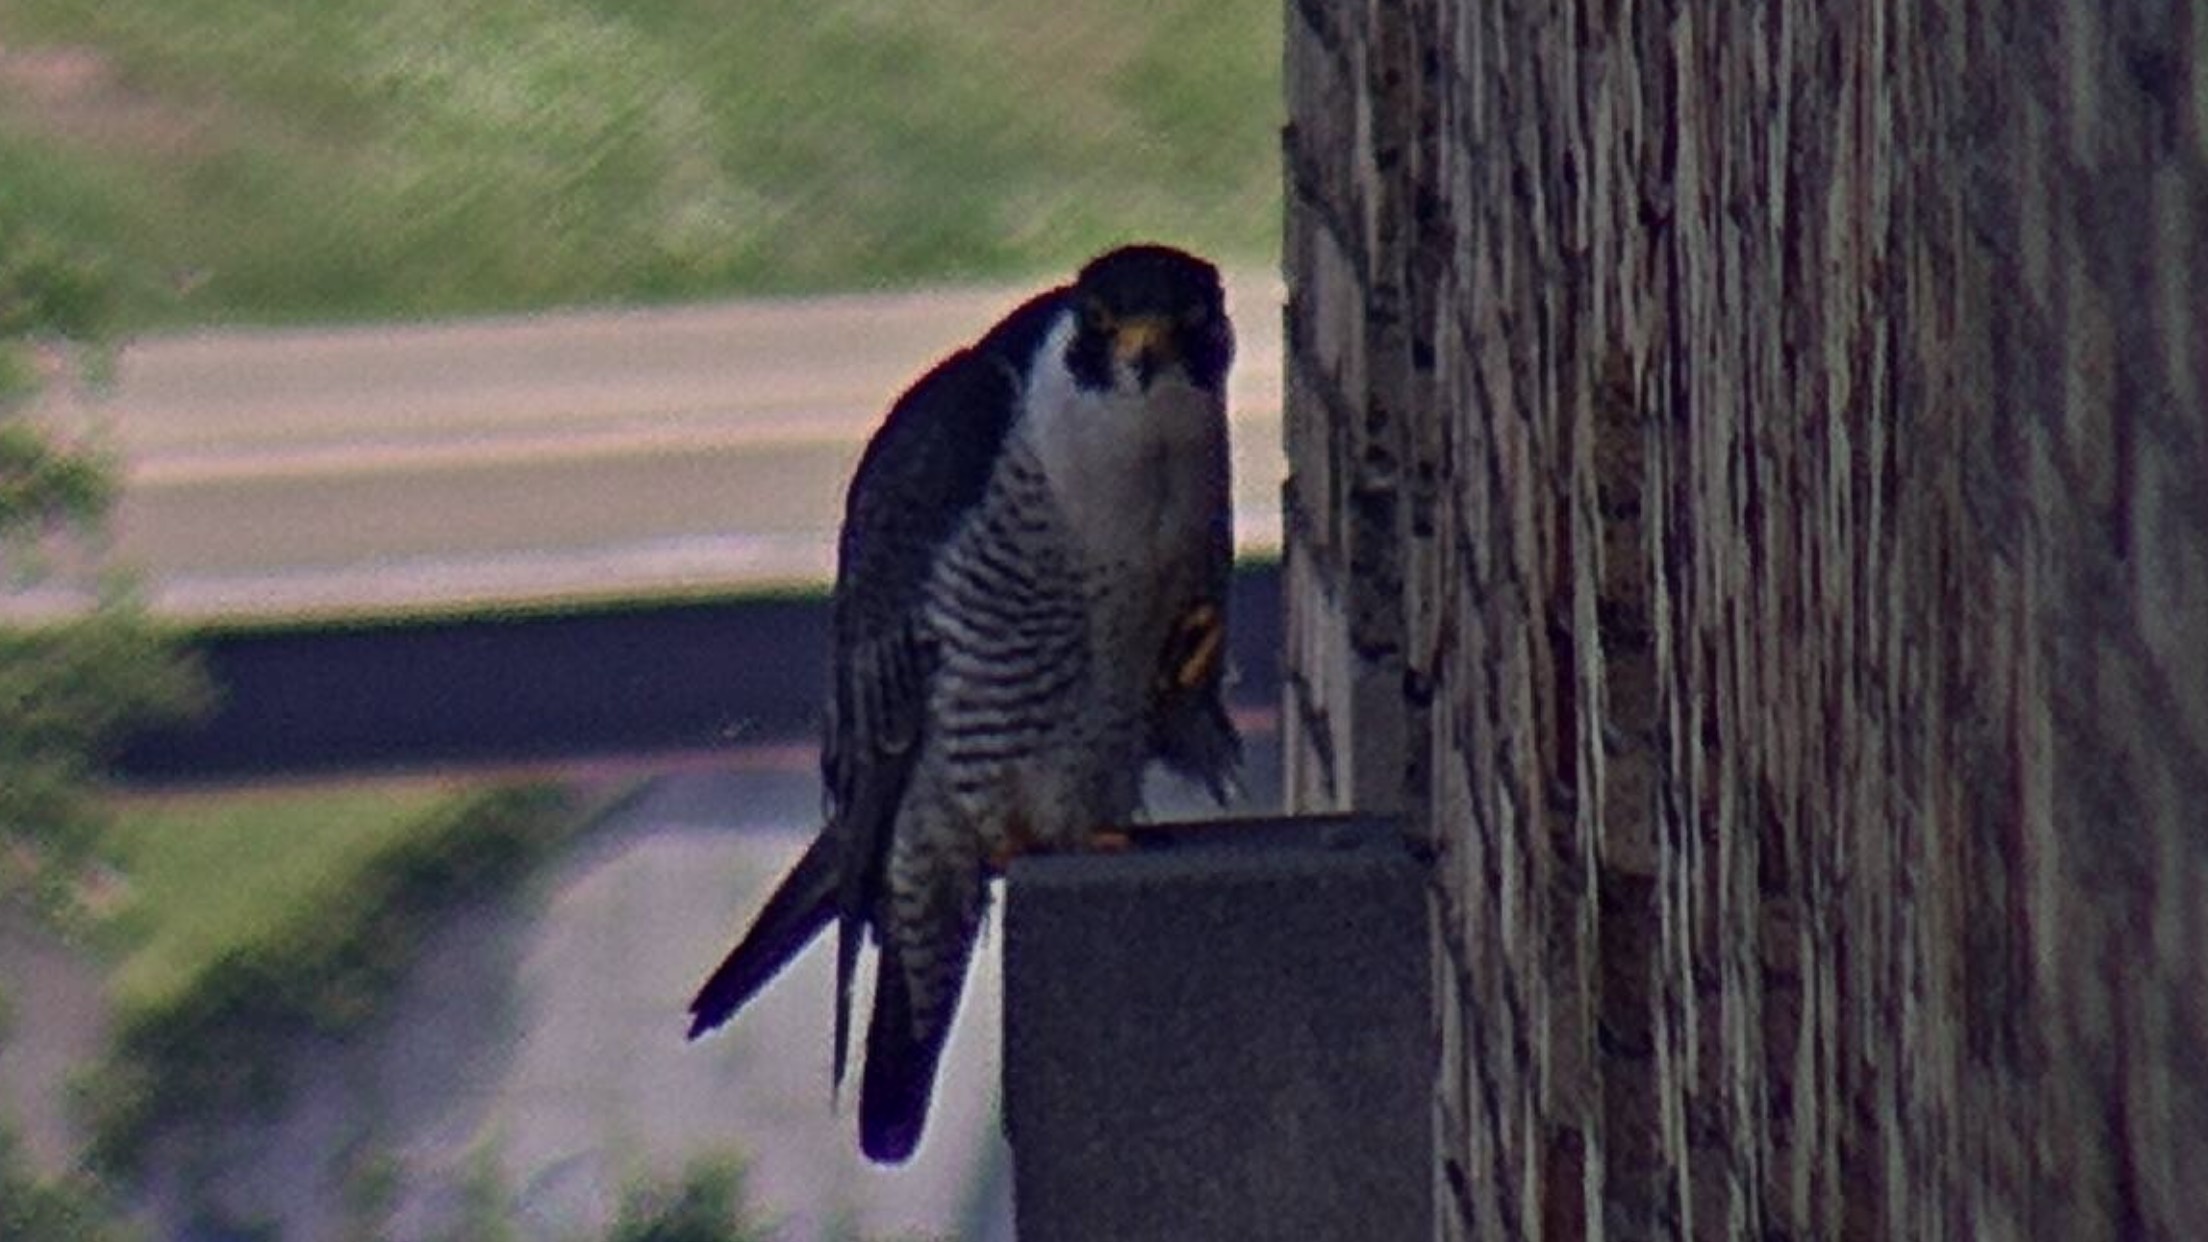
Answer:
x=69 y=1209
x=70 y=685
x=705 y=1205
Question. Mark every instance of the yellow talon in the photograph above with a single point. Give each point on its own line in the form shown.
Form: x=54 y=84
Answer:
x=1205 y=629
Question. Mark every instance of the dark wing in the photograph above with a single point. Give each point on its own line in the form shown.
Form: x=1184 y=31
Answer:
x=926 y=466
x=923 y=471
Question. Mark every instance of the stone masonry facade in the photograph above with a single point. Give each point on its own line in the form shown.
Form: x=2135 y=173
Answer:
x=1749 y=513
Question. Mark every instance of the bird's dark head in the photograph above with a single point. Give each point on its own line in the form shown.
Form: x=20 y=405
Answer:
x=1144 y=311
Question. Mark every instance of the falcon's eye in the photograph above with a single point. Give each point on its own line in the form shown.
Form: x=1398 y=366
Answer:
x=1095 y=320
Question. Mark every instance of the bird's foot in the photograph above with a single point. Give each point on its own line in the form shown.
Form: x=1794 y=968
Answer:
x=1018 y=840
x=1101 y=841
x=1193 y=653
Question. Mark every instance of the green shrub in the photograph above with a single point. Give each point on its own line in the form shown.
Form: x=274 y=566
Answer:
x=75 y=1208
x=216 y=1045
x=706 y=1204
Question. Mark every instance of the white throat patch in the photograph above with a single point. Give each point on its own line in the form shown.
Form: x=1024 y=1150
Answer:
x=1135 y=472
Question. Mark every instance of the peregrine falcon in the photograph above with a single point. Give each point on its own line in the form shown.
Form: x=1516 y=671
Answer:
x=1029 y=607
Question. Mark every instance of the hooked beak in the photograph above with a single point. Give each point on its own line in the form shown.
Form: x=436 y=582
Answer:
x=1144 y=345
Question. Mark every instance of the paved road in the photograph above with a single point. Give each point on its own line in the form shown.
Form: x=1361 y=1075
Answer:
x=575 y=455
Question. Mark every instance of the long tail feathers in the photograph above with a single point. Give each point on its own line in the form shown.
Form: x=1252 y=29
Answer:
x=900 y=1067
x=850 y=933
x=804 y=903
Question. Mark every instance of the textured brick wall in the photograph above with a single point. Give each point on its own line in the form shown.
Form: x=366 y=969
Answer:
x=1750 y=507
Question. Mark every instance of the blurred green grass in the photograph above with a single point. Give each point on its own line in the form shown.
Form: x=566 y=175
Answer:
x=210 y=874
x=275 y=160
x=250 y=919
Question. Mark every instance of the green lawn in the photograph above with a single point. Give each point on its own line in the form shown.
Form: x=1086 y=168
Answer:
x=297 y=159
x=245 y=920
x=206 y=875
